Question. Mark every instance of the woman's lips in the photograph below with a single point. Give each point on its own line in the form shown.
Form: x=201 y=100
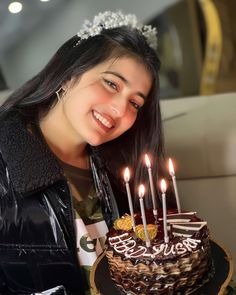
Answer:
x=104 y=120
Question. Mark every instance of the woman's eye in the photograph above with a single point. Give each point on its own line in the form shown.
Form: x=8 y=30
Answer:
x=110 y=84
x=135 y=105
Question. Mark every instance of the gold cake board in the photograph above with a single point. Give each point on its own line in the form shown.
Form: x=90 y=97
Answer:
x=221 y=256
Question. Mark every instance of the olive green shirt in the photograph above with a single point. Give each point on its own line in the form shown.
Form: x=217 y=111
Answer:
x=89 y=223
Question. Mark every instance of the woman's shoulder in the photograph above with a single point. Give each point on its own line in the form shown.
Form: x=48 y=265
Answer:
x=10 y=130
x=11 y=120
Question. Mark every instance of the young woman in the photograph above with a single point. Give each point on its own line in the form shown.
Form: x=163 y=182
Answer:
x=64 y=137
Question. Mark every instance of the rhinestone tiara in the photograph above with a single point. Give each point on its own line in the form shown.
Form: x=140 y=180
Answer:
x=111 y=20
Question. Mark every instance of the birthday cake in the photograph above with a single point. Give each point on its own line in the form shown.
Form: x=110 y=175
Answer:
x=178 y=266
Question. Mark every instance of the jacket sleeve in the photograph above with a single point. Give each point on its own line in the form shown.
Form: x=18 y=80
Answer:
x=59 y=290
x=3 y=191
x=22 y=269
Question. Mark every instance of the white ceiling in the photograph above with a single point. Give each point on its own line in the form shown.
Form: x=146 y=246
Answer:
x=14 y=27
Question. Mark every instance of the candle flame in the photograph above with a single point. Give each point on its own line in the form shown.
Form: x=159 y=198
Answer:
x=147 y=161
x=126 y=174
x=163 y=186
x=171 y=167
x=141 y=191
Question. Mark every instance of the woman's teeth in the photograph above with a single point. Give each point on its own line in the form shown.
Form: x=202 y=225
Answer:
x=102 y=119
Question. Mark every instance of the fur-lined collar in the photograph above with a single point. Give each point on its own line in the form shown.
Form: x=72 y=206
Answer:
x=30 y=163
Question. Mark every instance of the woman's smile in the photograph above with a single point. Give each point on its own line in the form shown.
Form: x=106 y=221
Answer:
x=104 y=121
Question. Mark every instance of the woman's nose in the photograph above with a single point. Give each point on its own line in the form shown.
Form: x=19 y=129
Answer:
x=119 y=107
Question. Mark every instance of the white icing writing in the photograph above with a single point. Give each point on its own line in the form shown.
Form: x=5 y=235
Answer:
x=119 y=239
x=171 y=250
x=180 y=249
x=128 y=246
x=158 y=249
x=191 y=243
x=140 y=251
x=122 y=243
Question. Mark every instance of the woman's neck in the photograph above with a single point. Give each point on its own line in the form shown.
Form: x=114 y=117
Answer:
x=62 y=141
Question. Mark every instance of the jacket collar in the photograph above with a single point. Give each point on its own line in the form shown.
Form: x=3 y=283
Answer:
x=31 y=164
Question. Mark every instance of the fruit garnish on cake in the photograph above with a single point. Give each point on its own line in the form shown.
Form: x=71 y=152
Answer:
x=151 y=228
x=123 y=223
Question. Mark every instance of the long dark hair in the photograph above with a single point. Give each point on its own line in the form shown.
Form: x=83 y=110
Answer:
x=71 y=60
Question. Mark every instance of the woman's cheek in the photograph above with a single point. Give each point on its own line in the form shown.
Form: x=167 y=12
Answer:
x=130 y=121
x=101 y=94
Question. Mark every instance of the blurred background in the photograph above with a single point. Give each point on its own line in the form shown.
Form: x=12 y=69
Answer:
x=29 y=38
x=197 y=39
x=197 y=48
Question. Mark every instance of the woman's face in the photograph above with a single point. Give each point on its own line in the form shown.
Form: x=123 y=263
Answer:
x=104 y=103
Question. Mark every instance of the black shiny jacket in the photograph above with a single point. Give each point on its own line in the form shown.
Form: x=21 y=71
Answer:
x=37 y=237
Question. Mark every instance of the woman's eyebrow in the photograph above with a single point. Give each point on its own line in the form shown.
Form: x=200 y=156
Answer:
x=124 y=80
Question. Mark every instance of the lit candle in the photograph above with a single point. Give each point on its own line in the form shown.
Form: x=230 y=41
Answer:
x=141 y=195
x=172 y=173
x=131 y=209
x=163 y=190
x=148 y=164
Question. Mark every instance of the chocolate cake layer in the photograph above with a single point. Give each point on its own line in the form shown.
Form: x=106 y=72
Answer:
x=162 y=268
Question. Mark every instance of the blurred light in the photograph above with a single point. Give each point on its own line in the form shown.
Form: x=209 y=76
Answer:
x=15 y=7
x=44 y=0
